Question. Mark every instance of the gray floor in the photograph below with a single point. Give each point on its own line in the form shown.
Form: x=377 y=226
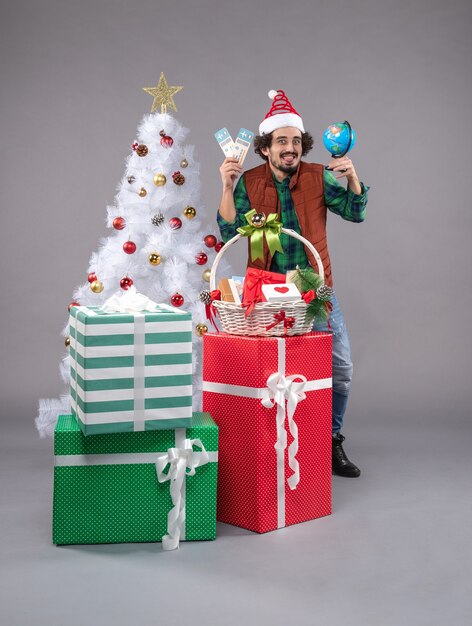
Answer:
x=396 y=551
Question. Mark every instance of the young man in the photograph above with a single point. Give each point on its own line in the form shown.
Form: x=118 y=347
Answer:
x=300 y=193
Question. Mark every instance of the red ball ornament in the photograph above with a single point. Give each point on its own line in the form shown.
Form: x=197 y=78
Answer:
x=177 y=299
x=91 y=277
x=119 y=223
x=210 y=241
x=126 y=282
x=73 y=304
x=166 y=140
x=129 y=247
x=201 y=258
x=175 y=223
x=219 y=245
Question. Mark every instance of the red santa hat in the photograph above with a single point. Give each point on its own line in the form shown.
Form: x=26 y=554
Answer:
x=281 y=114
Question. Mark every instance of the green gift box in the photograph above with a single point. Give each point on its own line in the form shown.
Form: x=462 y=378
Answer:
x=135 y=487
x=130 y=371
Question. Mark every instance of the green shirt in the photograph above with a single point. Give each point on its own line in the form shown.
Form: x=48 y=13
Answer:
x=338 y=200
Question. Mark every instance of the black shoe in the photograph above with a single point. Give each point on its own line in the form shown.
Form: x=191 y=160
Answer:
x=342 y=466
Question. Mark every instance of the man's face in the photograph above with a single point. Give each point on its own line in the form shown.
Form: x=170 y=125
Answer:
x=285 y=152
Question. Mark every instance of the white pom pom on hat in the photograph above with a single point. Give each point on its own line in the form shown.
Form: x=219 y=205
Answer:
x=281 y=114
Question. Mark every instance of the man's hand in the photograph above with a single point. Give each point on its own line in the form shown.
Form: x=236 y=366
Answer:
x=230 y=170
x=344 y=167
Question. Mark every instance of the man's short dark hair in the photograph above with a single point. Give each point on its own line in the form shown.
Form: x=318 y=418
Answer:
x=265 y=141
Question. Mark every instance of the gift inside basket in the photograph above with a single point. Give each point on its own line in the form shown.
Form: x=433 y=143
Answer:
x=266 y=318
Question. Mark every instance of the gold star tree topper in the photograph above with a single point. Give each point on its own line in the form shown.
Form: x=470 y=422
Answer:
x=163 y=95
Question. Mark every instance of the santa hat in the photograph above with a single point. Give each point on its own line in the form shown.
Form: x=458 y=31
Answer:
x=281 y=114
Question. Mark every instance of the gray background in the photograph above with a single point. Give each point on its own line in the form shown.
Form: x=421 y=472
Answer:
x=71 y=79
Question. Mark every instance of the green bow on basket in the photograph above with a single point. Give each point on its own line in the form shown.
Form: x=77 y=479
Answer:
x=260 y=226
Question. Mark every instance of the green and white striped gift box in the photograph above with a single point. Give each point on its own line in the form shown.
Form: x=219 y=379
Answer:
x=130 y=371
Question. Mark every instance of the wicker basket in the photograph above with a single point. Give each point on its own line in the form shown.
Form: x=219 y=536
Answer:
x=232 y=314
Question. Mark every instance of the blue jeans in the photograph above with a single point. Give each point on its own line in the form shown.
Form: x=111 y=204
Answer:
x=342 y=363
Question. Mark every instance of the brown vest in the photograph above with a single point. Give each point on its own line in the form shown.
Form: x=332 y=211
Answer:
x=307 y=190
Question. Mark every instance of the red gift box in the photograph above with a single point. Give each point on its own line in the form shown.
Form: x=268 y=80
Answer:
x=271 y=399
x=252 y=287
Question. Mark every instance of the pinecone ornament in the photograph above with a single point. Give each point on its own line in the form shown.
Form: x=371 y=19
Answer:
x=205 y=297
x=178 y=178
x=324 y=293
x=158 y=219
x=142 y=150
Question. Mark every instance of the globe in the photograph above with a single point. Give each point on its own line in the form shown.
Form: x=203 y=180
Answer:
x=339 y=138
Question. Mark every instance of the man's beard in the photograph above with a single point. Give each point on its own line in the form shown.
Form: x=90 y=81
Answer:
x=286 y=169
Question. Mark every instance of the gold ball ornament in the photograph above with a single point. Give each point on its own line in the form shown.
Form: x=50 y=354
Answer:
x=206 y=275
x=67 y=342
x=96 y=286
x=159 y=180
x=190 y=212
x=142 y=192
x=184 y=163
x=258 y=220
x=201 y=329
x=154 y=258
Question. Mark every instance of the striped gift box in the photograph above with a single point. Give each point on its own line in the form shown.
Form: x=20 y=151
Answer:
x=131 y=371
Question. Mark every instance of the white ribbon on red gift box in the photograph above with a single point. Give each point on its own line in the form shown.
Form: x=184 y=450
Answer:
x=281 y=390
x=182 y=462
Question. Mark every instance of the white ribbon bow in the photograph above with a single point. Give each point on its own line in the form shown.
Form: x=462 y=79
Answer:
x=129 y=301
x=183 y=462
x=279 y=389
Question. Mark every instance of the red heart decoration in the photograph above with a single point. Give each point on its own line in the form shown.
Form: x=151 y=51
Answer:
x=281 y=289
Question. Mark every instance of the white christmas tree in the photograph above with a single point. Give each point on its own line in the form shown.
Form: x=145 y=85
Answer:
x=158 y=242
